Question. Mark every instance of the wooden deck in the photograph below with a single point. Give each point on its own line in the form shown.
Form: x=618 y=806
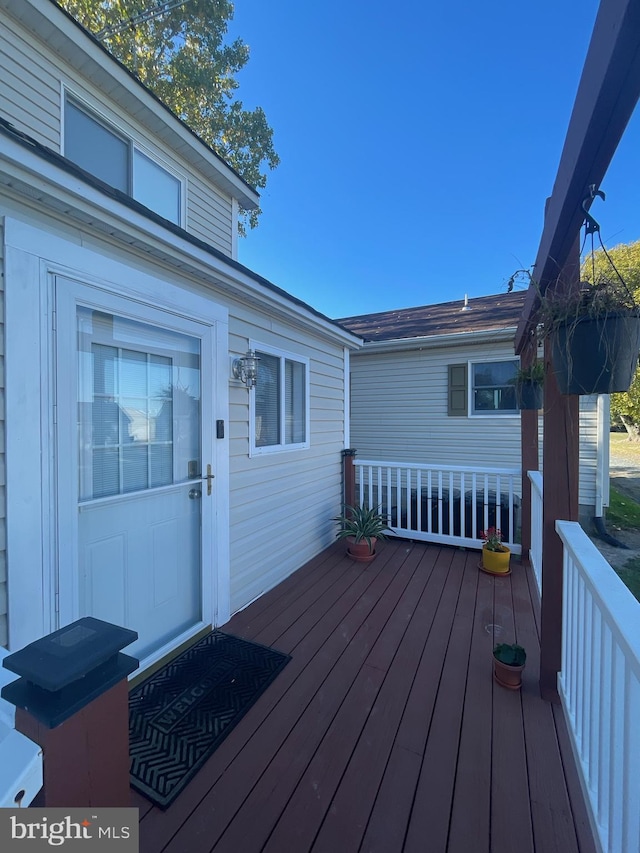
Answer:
x=386 y=731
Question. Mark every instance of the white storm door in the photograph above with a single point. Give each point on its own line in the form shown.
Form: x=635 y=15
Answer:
x=132 y=425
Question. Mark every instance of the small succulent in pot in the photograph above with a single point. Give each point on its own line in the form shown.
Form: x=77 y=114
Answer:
x=510 y=654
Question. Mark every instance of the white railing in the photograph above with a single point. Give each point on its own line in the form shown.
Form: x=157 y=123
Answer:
x=449 y=504
x=535 y=552
x=20 y=758
x=600 y=688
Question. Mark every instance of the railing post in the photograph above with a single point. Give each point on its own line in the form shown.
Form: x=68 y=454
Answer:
x=348 y=477
x=72 y=700
x=561 y=448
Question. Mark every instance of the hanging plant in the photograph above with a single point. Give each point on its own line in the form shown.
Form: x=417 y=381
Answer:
x=594 y=329
x=528 y=383
x=595 y=336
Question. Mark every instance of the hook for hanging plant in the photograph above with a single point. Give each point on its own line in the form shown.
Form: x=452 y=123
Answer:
x=591 y=226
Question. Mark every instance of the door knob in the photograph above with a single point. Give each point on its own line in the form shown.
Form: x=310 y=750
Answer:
x=194 y=494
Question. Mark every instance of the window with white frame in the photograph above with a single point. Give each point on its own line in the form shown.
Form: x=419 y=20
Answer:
x=492 y=387
x=280 y=407
x=99 y=148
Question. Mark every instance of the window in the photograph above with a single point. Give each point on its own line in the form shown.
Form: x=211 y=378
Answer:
x=492 y=387
x=139 y=405
x=98 y=148
x=280 y=417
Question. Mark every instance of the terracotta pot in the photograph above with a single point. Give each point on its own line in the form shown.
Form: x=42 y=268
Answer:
x=360 y=551
x=507 y=676
x=496 y=562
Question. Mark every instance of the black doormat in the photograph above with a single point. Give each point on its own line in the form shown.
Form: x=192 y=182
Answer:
x=184 y=711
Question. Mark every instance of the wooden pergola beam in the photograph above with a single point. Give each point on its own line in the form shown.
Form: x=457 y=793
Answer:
x=607 y=95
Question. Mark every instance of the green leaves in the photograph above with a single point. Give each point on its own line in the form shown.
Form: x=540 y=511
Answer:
x=183 y=58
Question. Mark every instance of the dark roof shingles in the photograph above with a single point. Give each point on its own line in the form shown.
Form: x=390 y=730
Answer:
x=484 y=313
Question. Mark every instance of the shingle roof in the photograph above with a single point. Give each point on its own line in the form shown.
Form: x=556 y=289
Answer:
x=484 y=313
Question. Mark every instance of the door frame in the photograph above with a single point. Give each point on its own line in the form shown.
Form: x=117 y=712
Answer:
x=33 y=257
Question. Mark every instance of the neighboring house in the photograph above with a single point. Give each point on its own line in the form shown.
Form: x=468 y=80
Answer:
x=432 y=384
x=124 y=309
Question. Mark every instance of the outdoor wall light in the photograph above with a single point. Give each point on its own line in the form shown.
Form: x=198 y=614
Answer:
x=245 y=368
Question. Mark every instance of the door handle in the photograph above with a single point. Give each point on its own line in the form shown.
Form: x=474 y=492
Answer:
x=208 y=477
x=193 y=474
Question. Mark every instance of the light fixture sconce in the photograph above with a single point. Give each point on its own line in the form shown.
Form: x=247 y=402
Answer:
x=245 y=368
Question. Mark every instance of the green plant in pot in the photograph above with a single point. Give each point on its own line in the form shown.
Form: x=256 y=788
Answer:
x=528 y=383
x=361 y=526
x=508 y=662
x=595 y=336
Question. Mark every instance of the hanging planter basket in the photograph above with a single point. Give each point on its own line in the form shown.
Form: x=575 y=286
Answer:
x=529 y=394
x=596 y=355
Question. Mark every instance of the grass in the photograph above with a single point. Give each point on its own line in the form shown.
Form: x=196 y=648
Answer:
x=623 y=449
x=623 y=512
x=629 y=574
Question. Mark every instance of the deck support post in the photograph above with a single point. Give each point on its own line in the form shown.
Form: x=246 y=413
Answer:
x=529 y=451
x=561 y=449
x=348 y=477
x=73 y=700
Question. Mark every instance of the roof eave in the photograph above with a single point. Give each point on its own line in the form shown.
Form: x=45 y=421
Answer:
x=438 y=341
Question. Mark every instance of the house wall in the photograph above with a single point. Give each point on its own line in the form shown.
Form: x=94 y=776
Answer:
x=3 y=515
x=399 y=410
x=280 y=504
x=31 y=80
x=399 y=413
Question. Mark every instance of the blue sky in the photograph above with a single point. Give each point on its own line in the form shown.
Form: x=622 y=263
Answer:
x=418 y=141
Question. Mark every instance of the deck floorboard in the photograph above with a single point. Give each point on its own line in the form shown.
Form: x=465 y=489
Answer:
x=386 y=731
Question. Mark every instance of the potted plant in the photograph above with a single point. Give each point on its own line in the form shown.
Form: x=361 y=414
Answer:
x=595 y=336
x=508 y=662
x=361 y=526
x=495 y=555
x=528 y=383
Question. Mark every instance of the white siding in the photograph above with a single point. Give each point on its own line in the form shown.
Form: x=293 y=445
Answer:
x=399 y=410
x=588 y=450
x=31 y=78
x=29 y=88
x=3 y=514
x=210 y=216
x=399 y=413
x=282 y=503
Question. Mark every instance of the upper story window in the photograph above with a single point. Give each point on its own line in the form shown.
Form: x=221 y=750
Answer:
x=492 y=387
x=280 y=409
x=99 y=148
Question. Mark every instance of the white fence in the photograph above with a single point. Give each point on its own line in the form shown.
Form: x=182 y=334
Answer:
x=535 y=552
x=20 y=758
x=450 y=504
x=600 y=688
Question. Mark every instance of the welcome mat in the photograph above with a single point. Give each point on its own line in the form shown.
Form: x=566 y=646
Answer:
x=184 y=711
